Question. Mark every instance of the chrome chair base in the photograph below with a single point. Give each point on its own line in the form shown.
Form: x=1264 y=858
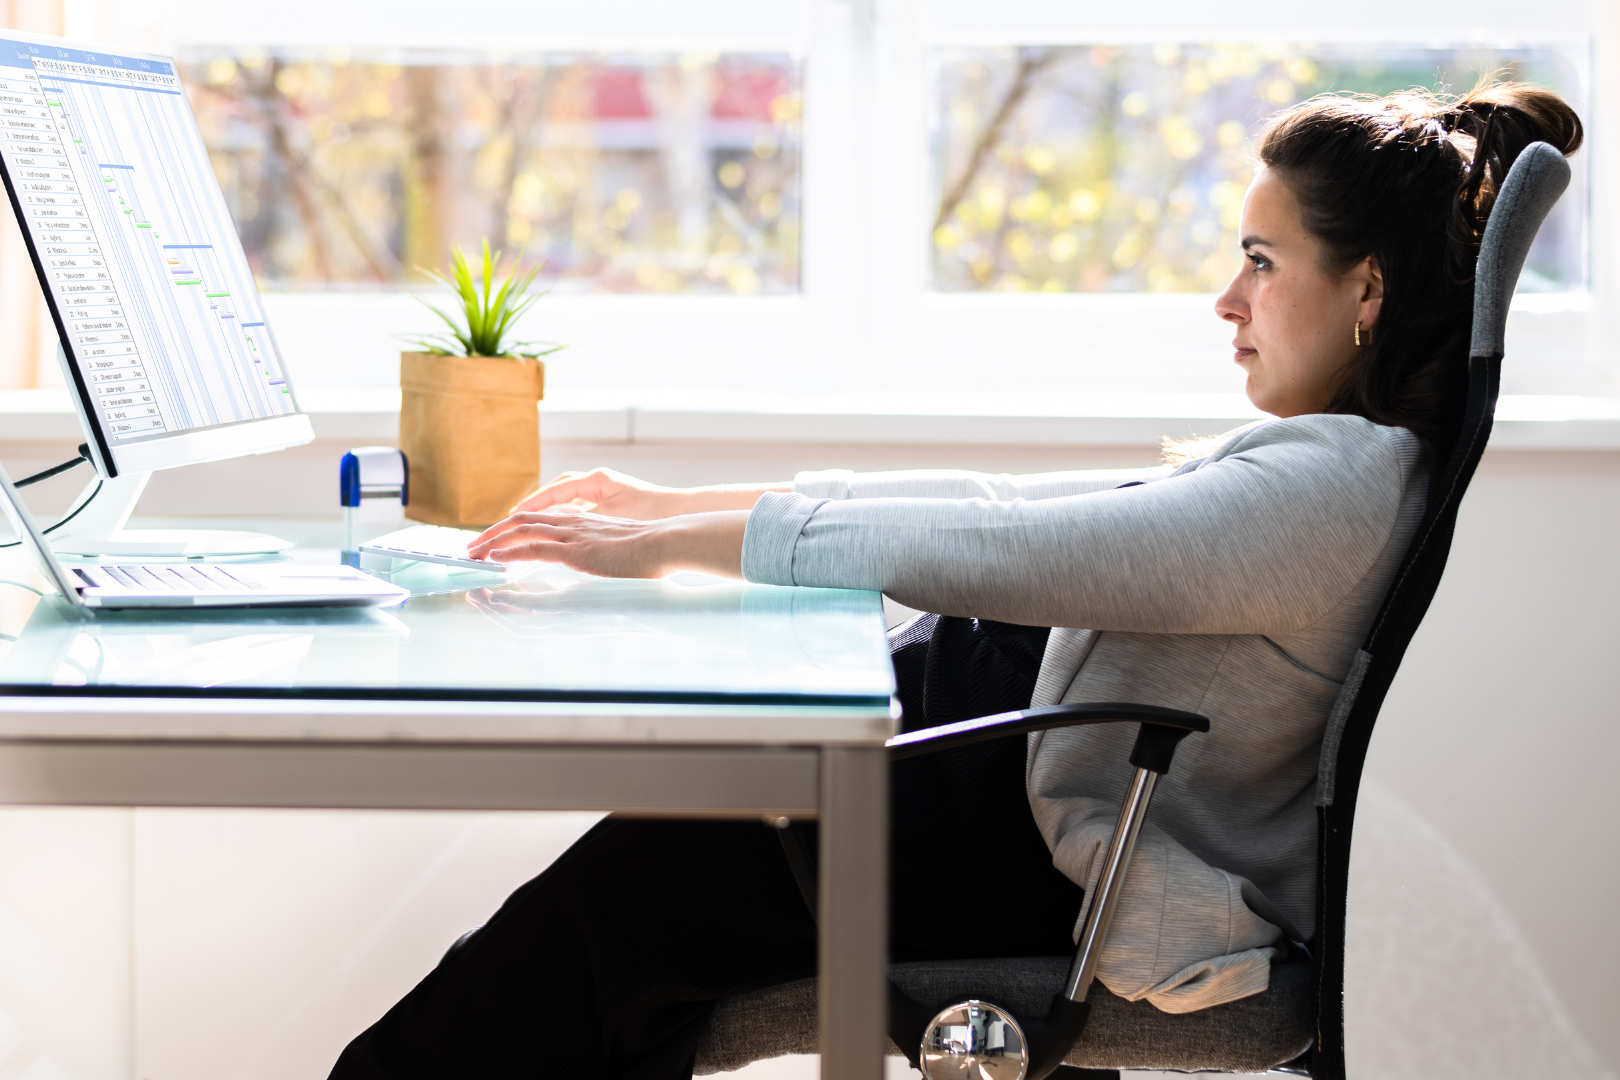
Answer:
x=974 y=1039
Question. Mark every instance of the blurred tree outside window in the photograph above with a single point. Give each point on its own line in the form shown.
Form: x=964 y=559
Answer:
x=1122 y=168
x=638 y=173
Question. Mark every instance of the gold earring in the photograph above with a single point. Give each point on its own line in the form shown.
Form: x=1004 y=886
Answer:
x=1358 y=333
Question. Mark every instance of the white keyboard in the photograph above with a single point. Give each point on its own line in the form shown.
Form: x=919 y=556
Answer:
x=431 y=543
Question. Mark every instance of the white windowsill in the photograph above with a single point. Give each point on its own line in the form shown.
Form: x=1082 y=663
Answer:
x=366 y=415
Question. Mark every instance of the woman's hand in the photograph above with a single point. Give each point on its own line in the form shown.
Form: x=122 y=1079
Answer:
x=614 y=494
x=619 y=547
x=607 y=492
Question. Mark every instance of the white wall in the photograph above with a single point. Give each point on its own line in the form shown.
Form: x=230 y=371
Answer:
x=193 y=945
x=1500 y=735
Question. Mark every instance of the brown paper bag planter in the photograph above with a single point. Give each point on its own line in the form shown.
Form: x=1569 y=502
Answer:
x=470 y=430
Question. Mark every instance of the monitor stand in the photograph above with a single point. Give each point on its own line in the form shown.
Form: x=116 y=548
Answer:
x=99 y=530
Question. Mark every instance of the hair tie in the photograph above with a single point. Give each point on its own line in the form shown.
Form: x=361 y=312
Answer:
x=1476 y=168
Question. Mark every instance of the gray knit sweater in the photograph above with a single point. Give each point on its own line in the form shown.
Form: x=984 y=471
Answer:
x=1237 y=586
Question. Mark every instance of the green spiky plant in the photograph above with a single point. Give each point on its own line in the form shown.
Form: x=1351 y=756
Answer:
x=486 y=319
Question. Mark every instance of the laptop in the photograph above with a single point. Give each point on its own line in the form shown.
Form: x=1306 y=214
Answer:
x=431 y=544
x=193 y=585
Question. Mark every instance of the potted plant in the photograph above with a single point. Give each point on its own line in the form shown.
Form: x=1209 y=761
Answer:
x=469 y=418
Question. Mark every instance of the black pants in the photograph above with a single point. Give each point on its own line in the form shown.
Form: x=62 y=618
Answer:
x=609 y=963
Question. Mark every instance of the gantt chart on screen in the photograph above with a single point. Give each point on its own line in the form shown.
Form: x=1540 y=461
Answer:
x=140 y=254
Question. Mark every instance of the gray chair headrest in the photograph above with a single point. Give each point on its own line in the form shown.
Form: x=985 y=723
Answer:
x=1534 y=183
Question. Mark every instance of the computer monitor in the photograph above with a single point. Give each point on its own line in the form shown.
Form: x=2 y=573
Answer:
x=163 y=339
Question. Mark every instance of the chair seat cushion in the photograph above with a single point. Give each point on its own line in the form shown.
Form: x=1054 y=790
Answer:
x=1251 y=1034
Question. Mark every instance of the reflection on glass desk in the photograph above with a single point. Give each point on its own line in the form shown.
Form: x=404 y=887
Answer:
x=550 y=635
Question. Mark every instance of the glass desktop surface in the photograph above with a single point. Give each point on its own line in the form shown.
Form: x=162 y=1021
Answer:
x=549 y=635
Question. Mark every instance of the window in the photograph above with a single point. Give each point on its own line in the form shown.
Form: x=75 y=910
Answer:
x=1122 y=168
x=748 y=194
x=627 y=173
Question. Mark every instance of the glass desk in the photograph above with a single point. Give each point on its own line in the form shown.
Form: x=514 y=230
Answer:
x=549 y=691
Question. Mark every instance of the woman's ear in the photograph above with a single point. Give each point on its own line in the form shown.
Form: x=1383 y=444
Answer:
x=1369 y=280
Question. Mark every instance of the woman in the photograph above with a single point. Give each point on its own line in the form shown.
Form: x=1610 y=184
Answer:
x=1236 y=584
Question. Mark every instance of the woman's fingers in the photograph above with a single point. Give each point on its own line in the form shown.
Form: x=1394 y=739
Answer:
x=596 y=486
x=526 y=526
x=532 y=551
x=474 y=549
x=606 y=546
x=555 y=515
x=565 y=488
x=619 y=547
x=609 y=492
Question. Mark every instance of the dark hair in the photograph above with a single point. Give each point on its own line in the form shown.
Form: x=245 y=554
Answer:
x=1409 y=180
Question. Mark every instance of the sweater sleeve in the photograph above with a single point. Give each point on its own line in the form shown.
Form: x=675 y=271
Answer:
x=1186 y=935
x=959 y=484
x=1263 y=537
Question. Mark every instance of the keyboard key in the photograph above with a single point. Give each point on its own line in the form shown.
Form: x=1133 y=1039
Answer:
x=197 y=579
x=118 y=574
x=238 y=583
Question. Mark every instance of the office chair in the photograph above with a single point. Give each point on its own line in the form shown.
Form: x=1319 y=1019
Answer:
x=1029 y=1018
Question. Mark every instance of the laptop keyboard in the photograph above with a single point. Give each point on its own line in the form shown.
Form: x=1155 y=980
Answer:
x=177 y=578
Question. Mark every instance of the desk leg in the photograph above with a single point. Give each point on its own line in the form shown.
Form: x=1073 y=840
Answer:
x=854 y=911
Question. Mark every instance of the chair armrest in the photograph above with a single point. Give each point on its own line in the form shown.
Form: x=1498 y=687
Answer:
x=1161 y=730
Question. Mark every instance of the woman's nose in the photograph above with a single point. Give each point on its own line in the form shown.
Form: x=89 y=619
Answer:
x=1231 y=304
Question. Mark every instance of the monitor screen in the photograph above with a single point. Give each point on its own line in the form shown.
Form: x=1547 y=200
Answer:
x=141 y=265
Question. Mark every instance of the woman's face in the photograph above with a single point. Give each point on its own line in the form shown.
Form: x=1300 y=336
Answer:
x=1295 y=321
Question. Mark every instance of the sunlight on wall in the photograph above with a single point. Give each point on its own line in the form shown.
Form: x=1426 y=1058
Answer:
x=1441 y=984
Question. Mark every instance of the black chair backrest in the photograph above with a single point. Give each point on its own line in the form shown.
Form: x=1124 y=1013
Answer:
x=1534 y=183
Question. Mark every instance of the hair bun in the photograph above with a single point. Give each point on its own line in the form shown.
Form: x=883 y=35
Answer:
x=1502 y=119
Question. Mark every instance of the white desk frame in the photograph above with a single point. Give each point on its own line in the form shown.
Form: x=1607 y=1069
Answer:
x=826 y=763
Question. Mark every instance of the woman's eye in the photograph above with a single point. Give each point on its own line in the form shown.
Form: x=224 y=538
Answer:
x=1260 y=262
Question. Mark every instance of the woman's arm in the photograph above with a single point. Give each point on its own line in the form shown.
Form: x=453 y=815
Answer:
x=962 y=484
x=1264 y=539
x=616 y=494
x=621 y=536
